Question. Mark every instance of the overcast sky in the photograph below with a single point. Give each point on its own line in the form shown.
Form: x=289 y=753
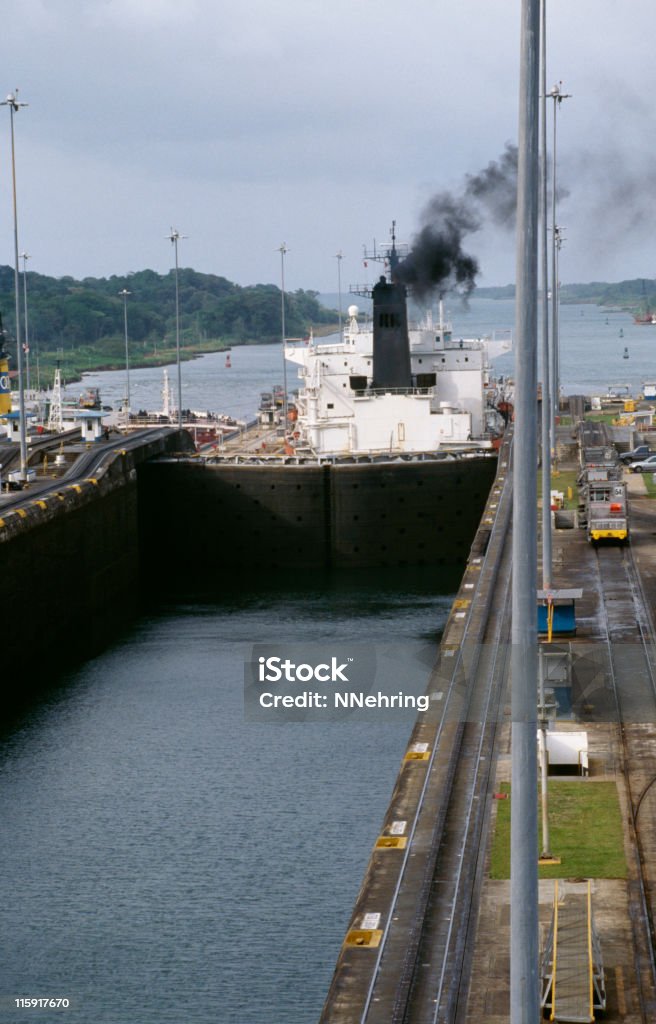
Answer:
x=313 y=122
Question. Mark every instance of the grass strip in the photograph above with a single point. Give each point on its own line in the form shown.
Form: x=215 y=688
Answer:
x=585 y=828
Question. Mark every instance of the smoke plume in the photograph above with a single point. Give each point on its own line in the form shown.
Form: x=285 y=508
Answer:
x=437 y=261
x=495 y=187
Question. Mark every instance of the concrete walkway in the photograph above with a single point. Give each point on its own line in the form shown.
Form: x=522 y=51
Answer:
x=635 y=484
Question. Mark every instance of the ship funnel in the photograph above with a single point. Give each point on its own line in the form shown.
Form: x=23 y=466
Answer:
x=391 y=367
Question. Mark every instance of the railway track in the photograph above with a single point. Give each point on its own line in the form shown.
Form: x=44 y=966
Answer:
x=423 y=965
x=629 y=643
x=441 y=972
x=89 y=462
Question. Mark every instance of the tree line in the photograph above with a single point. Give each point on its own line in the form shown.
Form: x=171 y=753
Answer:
x=637 y=294
x=64 y=312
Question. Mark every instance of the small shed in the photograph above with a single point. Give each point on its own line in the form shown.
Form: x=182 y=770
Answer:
x=557 y=611
x=567 y=752
x=90 y=421
x=12 y=424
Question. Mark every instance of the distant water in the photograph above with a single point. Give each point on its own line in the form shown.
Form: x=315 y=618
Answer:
x=164 y=860
x=592 y=344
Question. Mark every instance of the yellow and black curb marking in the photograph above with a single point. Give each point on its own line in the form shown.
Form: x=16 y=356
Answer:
x=418 y=752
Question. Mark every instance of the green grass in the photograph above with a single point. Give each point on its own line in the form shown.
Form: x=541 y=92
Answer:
x=603 y=417
x=585 y=828
x=110 y=355
x=650 y=486
x=560 y=481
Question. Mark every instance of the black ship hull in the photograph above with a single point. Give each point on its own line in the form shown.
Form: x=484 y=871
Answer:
x=198 y=519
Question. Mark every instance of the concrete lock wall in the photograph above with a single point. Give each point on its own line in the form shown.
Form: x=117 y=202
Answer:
x=71 y=573
x=71 y=567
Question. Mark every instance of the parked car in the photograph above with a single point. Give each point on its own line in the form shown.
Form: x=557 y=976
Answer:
x=644 y=466
x=643 y=451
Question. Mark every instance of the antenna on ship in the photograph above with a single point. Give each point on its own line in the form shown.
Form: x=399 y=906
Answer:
x=393 y=255
x=389 y=255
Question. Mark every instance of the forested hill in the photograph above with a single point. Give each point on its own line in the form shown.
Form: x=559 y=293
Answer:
x=64 y=313
x=635 y=295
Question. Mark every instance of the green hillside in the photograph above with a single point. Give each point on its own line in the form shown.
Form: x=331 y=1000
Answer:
x=634 y=295
x=80 y=323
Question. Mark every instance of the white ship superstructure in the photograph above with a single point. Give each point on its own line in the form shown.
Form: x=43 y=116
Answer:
x=341 y=410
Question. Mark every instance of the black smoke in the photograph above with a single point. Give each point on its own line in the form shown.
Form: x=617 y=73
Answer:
x=495 y=187
x=437 y=261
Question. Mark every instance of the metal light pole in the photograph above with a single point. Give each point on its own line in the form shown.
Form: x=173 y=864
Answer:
x=547 y=557
x=124 y=295
x=282 y=250
x=545 y=406
x=558 y=97
x=25 y=257
x=14 y=106
x=524 y=980
x=560 y=238
x=174 y=238
x=339 y=257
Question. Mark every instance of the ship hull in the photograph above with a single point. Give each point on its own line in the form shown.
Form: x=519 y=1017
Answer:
x=199 y=519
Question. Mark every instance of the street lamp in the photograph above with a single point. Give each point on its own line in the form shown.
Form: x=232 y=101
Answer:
x=559 y=239
x=282 y=250
x=558 y=97
x=524 y=922
x=547 y=557
x=25 y=257
x=174 y=238
x=339 y=257
x=124 y=295
x=14 y=106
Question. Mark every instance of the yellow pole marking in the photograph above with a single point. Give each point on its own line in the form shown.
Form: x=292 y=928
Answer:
x=92 y=480
x=21 y=512
x=40 y=503
x=76 y=487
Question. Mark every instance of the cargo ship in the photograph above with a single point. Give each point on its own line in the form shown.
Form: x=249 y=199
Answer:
x=387 y=457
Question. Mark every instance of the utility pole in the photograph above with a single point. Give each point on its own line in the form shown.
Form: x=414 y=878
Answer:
x=14 y=107
x=283 y=250
x=524 y=980
x=339 y=257
x=124 y=295
x=557 y=97
x=174 y=237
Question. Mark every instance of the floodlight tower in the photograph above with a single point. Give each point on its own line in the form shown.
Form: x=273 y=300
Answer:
x=14 y=107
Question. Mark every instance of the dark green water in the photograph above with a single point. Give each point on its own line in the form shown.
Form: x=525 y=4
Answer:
x=165 y=860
